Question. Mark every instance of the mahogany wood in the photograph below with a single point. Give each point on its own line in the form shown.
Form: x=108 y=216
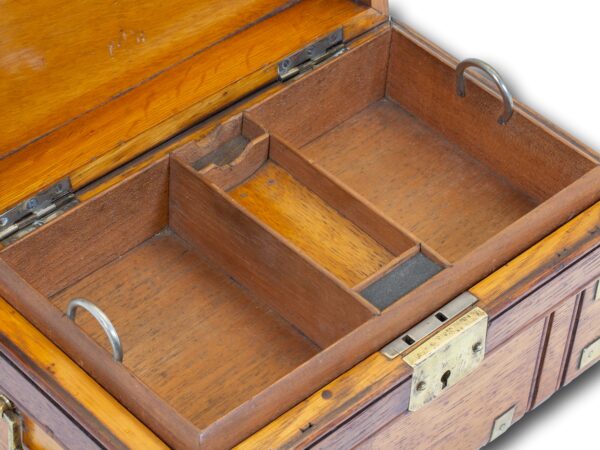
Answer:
x=93 y=234
x=300 y=291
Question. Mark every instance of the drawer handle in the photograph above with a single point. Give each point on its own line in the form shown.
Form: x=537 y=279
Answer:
x=14 y=423
x=103 y=320
x=495 y=76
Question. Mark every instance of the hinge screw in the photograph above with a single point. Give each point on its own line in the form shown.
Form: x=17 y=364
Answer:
x=31 y=204
x=3 y=221
x=477 y=347
x=421 y=386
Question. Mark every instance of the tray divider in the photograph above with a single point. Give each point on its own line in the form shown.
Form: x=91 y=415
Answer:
x=302 y=292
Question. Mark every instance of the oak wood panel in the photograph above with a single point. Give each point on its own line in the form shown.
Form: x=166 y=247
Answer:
x=418 y=179
x=588 y=328
x=28 y=399
x=94 y=233
x=332 y=404
x=292 y=210
x=463 y=416
x=328 y=95
x=529 y=270
x=189 y=332
x=281 y=274
x=172 y=100
x=560 y=329
x=422 y=79
x=545 y=299
x=55 y=65
x=347 y=202
x=499 y=291
x=202 y=130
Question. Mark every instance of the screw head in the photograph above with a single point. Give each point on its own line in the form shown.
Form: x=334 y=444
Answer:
x=477 y=347
x=59 y=188
x=31 y=204
x=286 y=63
x=421 y=386
x=3 y=221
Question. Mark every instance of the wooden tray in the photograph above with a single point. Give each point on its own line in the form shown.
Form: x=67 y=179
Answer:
x=249 y=262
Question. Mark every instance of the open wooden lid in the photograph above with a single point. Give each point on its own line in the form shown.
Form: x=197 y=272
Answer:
x=87 y=86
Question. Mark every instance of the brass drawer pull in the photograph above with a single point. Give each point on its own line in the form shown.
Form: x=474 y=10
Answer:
x=103 y=320
x=495 y=76
x=14 y=423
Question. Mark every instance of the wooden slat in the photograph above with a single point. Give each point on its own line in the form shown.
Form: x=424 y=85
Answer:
x=70 y=385
x=163 y=105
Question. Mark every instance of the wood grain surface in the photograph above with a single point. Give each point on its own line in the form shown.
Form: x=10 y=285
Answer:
x=295 y=212
x=67 y=384
x=235 y=348
x=163 y=104
x=417 y=178
x=588 y=330
x=464 y=416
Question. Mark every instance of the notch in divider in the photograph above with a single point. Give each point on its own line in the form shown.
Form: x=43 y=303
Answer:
x=230 y=153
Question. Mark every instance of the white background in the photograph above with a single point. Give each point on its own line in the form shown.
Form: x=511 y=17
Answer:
x=548 y=52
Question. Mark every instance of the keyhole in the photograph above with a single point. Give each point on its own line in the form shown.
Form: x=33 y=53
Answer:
x=445 y=379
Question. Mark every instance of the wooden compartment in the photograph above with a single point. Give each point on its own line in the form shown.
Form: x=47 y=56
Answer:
x=385 y=122
x=309 y=229
x=194 y=338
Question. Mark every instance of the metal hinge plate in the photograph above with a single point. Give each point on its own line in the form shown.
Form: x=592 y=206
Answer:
x=35 y=211
x=309 y=57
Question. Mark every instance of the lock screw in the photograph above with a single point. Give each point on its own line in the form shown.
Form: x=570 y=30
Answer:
x=477 y=347
x=421 y=386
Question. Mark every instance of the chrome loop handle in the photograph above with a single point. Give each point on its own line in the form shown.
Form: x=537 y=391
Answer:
x=495 y=76
x=103 y=320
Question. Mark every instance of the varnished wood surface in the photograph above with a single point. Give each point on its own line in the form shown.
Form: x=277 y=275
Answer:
x=29 y=400
x=189 y=332
x=67 y=384
x=464 y=416
x=293 y=211
x=165 y=104
x=560 y=330
x=417 y=178
x=525 y=151
x=60 y=59
x=525 y=272
x=332 y=404
x=588 y=328
x=94 y=233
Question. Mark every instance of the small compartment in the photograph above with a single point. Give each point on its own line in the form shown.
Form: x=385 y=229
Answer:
x=282 y=190
x=385 y=122
x=212 y=310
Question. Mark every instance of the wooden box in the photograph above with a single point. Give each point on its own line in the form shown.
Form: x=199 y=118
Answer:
x=299 y=223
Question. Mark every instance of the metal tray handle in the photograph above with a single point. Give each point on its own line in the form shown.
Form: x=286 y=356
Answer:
x=103 y=320
x=495 y=76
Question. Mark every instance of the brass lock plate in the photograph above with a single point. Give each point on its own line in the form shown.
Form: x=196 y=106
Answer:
x=447 y=356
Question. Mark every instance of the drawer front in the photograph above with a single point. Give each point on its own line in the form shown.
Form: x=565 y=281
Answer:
x=44 y=424
x=464 y=416
x=586 y=342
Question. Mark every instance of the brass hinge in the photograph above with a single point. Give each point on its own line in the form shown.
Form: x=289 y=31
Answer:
x=309 y=57
x=443 y=349
x=36 y=211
